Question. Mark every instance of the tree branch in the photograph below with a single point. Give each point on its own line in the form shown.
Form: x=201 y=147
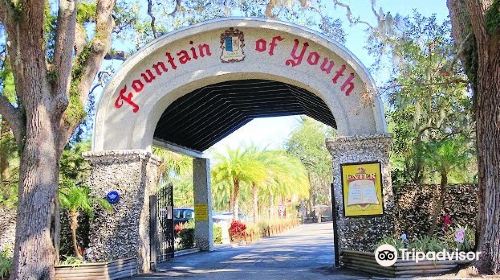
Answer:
x=100 y=81
x=80 y=39
x=117 y=55
x=426 y=85
x=153 y=19
x=100 y=45
x=269 y=9
x=476 y=11
x=90 y=63
x=63 y=52
x=2 y=11
x=14 y=117
x=7 y=11
x=26 y=48
x=350 y=17
x=176 y=8
x=460 y=20
x=460 y=51
x=379 y=16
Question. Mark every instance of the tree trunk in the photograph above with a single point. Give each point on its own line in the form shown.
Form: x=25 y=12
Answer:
x=231 y=199
x=488 y=151
x=418 y=166
x=39 y=122
x=271 y=207
x=438 y=202
x=73 y=218
x=4 y=160
x=255 y=203
x=310 y=203
x=480 y=55
x=34 y=256
x=236 y=194
x=56 y=234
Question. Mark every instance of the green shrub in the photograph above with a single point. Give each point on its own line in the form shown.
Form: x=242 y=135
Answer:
x=217 y=234
x=427 y=244
x=71 y=260
x=186 y=235
x=396 y=242
x=187 y=238
x=469 y=241
x=252 y=232
x=5 y=263
x=421 y=244
x=264 y=228
x=267 y=228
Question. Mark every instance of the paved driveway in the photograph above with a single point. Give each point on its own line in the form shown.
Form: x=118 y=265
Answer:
x=305 y=252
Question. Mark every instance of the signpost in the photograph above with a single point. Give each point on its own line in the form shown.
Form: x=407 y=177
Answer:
x=201 y=212
x=362 y=189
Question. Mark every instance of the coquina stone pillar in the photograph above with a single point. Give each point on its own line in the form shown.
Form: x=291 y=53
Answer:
x=362 y=233
x=124 y=231
x=203 y=230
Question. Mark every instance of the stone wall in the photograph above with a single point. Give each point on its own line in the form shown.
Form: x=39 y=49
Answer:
x=124 y=231
x=362 y=233
x=415 y=206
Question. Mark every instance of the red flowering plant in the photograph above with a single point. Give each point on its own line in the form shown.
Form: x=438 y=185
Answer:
x=178 y=228
x=237 y=231
x=446 y=222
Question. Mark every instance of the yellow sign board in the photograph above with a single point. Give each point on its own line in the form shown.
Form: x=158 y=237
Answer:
x=362 y=189
x=201 y=212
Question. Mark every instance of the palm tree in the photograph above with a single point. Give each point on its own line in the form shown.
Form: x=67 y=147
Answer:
x=75 y=200
x=237 y=167
x=173 y=164
x=287 y=177
x=444 y=157
x=273 y=173
x=221 y=193
x=176 y=169
x=260 y=181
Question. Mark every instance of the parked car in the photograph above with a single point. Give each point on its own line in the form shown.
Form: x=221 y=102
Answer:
x=183 y=215
x=227 y=217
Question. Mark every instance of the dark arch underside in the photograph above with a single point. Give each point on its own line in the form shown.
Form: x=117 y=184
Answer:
x=205 y=116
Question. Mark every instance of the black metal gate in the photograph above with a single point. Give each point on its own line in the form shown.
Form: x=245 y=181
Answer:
x=161 y=225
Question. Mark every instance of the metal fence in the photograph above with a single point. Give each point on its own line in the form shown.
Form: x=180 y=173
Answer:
x=162 y=225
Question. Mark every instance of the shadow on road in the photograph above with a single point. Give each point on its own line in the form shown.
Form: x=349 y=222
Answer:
x=305 y=252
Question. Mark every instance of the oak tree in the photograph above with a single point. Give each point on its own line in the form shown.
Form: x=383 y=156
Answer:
x=476 y=30
x=53 y=64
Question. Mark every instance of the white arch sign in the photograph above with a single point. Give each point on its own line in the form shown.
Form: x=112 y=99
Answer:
x=233 y=49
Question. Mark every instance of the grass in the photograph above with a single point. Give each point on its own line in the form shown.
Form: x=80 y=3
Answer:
x=5 y=263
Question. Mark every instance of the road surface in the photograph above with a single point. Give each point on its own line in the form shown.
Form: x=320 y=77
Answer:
x=305 y=252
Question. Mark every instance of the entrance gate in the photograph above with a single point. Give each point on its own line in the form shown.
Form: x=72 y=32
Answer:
x=191 y=88
x=161 y=225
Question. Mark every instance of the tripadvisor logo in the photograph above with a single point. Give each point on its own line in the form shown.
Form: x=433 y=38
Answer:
x=387 y=255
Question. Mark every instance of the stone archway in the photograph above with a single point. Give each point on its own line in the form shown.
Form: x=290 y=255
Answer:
x=210 y=53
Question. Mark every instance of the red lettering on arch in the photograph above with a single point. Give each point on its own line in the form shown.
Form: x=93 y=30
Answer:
x=148 y=76
x=348 y=85
x=260 y=45
x=137 y=85
x=159 y=65
x=126 y=98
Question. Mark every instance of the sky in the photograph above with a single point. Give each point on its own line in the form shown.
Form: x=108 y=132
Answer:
x=273 y=132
